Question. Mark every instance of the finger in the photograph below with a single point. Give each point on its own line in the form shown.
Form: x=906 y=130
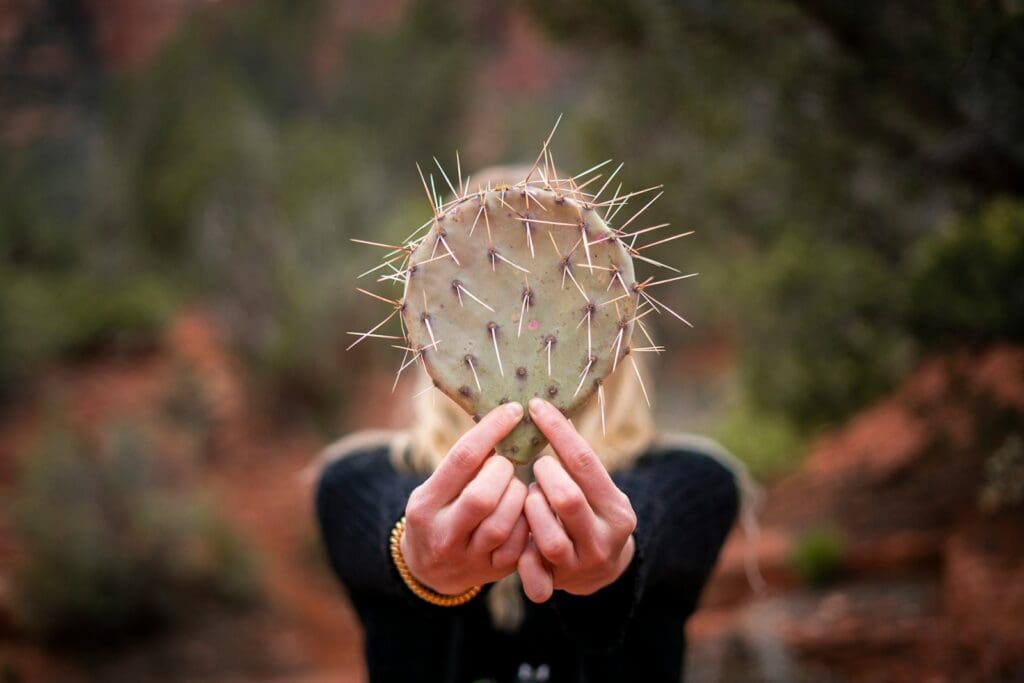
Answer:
x=548 y=535
x=566 y=499
x=537 y=581
x=576 y=455
x=496 y=527
x=480 y=497
x=468 y=453
x=506 y=556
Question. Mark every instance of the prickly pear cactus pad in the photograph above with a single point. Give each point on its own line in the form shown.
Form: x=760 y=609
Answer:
x=521 y=289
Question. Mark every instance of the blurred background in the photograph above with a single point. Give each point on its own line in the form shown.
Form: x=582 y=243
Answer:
x=179 y=180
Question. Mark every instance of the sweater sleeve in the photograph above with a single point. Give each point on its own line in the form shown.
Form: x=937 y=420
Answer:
x=685 y=502
x=359 y=498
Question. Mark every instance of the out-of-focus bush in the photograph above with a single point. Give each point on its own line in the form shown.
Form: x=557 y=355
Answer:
x=111 y=547
x=1003 y=477
x=826 y=329
x=188 y=404
x=818 y=555
x=60 y=315
x=968 y=281
x=768 y=444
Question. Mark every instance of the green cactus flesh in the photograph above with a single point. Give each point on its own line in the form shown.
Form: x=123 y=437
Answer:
x=519 y=292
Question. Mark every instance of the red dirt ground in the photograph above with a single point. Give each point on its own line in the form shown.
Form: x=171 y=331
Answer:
x=930 y=590
x=261 y=479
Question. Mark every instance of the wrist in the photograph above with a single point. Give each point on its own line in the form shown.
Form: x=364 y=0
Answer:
x=418 y=588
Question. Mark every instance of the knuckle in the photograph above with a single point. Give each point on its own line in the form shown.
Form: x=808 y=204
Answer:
x=439 y=547
x=557 y=546
x=491 y=534
x=582 y=458
x=622 y=523
x=608 y=564
x=623 y=519
x=461 y=455
x=568 y=501
x=601 y=550
x=416 y=512
x=476 y=502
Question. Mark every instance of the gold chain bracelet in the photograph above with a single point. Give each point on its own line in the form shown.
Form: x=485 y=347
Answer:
x=421 y=591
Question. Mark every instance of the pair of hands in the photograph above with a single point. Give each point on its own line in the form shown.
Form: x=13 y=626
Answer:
x=472 y=522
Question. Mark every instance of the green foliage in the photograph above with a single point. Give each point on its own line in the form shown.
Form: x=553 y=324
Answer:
x=818 y=555
x=825 y=326
x=10 y=672
x=111 y=546
x=46 y=315
x=188 y=404
x=768 y=444
x=234 y=167
x=1003 y=477
x=968 y=281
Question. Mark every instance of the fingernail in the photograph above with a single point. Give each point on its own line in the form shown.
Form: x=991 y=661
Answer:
x=514 y=409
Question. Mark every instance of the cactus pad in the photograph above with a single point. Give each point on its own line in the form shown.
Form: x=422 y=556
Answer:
x=520 y=290
x=503 y=305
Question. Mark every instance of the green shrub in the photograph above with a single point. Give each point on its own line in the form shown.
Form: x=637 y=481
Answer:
x=111 y=547
x=817 y=557
x=187 y=403
x=1003 y=477
x=769 y=445
x=823 y=329
x=968 y=282
x=45 y=316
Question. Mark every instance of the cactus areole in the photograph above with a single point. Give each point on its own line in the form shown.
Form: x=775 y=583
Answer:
x=518 y=290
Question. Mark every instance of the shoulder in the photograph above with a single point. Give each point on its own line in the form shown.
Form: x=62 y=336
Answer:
x=357 y=443
x=354 y=458
x=698 y=458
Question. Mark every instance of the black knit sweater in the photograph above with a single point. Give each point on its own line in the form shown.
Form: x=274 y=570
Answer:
x=632 y=630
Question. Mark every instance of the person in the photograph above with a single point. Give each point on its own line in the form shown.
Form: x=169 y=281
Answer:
x=611 y=543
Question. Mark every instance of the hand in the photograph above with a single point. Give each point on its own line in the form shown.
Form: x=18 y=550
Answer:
x=589 y=544
x=465 y=524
